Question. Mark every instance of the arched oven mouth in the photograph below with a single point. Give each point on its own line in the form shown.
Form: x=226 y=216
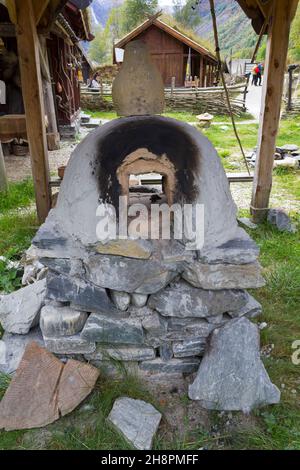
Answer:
x=143 y=147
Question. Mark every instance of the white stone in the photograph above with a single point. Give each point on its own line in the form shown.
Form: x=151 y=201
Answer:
x=69 y=345
x=120 y=299
x=61 y=321
x=13 y=347
x=19 y=311
x=137 y=421
x=139 y=300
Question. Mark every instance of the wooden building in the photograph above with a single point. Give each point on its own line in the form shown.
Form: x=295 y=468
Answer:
x=170 y=50
x=61 y=60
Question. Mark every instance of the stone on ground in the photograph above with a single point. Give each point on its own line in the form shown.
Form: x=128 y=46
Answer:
x=231 y=375
x=280 y=220
x=13 y=347
x=19 y=311
x=43 y=389
x=137 y=421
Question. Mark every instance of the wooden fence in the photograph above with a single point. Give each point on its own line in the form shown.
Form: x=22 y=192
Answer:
x=194 y=100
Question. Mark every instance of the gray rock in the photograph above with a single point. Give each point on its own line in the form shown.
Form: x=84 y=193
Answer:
x=139 y=300
x=154 y=324
x=86 y=296
x=166 y=352
x=190 y=347
x=231 y=375
x=14 y=347
x=174 y=366
x=224 y=276
x=120 y=299
x=182 y=300
x=61 y=321
x=19 y=311
x=281 y=220
x=137 y=421
x=241 y=250
x=69 y=345
x=102 y=329
x=138 y=249
x=122 y=353
x=289 y=148
x=247 y=223
x=130 y=275
x=252 y=309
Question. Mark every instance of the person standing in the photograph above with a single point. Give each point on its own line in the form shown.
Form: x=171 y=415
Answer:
x=254 y=75
x=259 y=73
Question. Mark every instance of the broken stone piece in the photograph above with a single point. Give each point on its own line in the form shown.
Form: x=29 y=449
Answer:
x=190 y=347
x=280 y=220
x=139 y=249
x=251 y=309
x=137 y=421
x=61 y=321
x=174 y=366
x=19 y=311
x=43 y=388
x=231 y=375
x=14 y=347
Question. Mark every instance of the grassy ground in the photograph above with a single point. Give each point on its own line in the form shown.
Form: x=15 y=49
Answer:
x=276 y=427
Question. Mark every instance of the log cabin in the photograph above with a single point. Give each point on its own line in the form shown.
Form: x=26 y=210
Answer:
x=170 y=51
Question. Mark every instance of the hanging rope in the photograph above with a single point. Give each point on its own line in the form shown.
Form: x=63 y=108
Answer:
x=215 y=27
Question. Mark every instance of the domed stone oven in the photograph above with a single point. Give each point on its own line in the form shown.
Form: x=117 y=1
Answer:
x=162 y=306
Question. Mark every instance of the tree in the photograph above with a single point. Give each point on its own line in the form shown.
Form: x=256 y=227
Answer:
x=137 y=11
x=295 y=38
x=186 y=14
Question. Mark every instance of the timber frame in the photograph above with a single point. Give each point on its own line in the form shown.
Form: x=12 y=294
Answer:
x=31 y=17
x=279 y=15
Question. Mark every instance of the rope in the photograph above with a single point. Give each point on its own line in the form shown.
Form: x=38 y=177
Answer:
x=215 y=27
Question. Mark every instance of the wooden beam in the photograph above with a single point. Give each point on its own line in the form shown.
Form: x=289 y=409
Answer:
x=201 y=71
x=39 y=7
x=28 y=49
x=277 y=49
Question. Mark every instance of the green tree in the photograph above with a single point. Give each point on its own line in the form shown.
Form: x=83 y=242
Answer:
x=137 y=11
x=294 y=53
x=187 y=13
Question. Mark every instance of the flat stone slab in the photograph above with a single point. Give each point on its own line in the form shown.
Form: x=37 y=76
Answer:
x=138 y=249
x=130 y=275
x=122 y=353
x=78 y=292
x=224 y=276
x=69 y=345
x=174 y=366
x=182 y=300
x=13 y=347
x=251 y=309
x=43 y=389
x=242 y=250
x=104 y=329
x=231 y=375
x=190 y=347
x=19 y=311
x=247 y=223
x=61 y=321
x=137 y=421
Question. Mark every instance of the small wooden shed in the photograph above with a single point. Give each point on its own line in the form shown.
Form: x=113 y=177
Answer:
x=171 y=50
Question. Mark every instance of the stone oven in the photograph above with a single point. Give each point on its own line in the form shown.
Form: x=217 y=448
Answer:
x=158 y=306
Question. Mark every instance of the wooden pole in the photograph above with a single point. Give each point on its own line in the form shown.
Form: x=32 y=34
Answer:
x=277 y=48
x=3 y=178
x=28 y=49
x=201 y=72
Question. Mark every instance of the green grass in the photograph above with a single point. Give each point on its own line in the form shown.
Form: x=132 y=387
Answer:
x=18 y=195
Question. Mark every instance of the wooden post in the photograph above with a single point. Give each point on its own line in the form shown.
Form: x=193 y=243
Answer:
x=3 y=178
x=28 y=49
x=201 y=72
x=277 y=48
